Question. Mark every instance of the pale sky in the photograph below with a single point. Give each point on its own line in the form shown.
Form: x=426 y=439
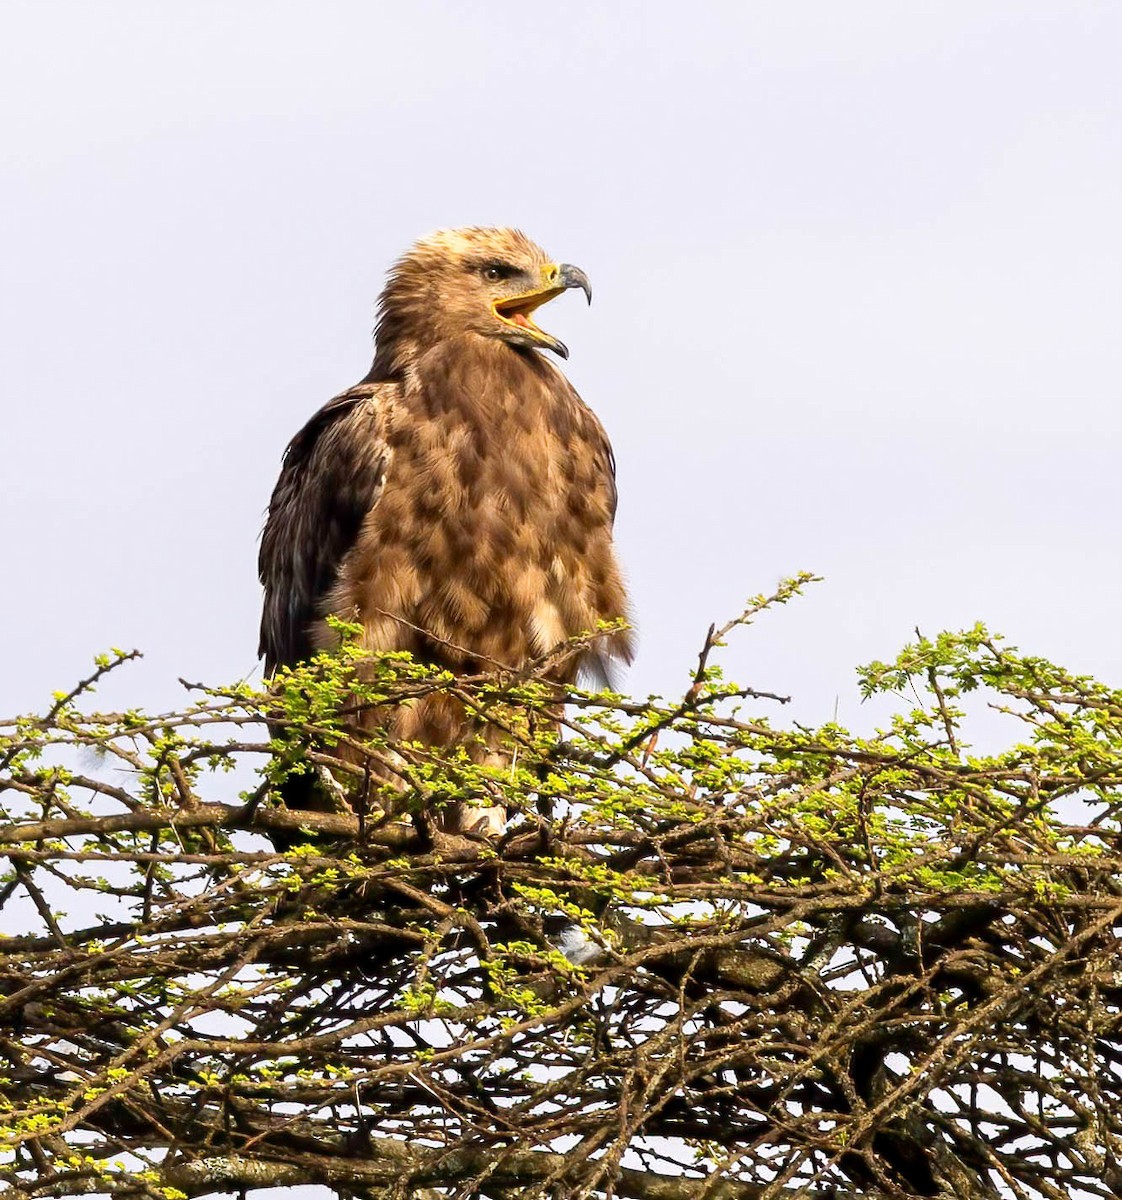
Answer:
x=857 y=273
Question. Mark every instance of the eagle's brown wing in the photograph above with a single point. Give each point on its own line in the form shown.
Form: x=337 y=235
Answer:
x=332 y=476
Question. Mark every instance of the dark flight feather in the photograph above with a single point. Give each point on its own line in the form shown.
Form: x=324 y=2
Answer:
x=329 y=481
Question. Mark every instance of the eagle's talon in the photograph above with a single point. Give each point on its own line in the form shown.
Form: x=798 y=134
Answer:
x=486 y=824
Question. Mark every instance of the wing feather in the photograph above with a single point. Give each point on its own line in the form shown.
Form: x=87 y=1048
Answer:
x=331 y=478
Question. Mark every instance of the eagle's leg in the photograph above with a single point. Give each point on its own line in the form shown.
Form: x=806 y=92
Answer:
x=437 y=721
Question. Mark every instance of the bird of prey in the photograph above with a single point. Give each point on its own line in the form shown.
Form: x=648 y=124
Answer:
x=458 y=502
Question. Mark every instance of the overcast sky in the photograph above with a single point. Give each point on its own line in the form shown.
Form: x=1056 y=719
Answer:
x=858 y=301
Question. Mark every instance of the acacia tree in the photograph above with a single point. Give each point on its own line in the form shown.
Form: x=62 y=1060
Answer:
x=714 y=956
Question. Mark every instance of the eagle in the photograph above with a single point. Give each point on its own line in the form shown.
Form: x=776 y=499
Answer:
x=458 y=502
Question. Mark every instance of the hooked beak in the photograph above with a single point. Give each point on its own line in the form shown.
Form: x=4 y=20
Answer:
x=573 y=277
x=516 y=310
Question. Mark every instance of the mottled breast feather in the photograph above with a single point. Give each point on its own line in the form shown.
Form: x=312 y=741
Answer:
x=491 y=540
x=333 y=473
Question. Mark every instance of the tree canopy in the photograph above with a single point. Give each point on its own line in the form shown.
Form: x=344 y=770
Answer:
x=715 y=955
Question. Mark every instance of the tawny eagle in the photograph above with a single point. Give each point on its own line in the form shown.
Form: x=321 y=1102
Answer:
x=458 y=502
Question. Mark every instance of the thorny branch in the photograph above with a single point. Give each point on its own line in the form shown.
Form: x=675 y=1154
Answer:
x=735 y=961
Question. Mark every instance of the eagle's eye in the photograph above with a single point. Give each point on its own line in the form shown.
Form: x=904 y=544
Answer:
x=493 y=272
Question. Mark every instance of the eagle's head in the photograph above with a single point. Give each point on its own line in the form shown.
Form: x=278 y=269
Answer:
x=457 y=282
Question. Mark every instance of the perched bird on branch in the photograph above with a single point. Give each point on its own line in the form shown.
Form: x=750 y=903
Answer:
x=458 y=502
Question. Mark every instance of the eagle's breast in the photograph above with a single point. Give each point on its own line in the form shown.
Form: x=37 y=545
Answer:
x=491 y=540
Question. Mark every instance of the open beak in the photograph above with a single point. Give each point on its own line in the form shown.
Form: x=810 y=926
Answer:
x=517 y=311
